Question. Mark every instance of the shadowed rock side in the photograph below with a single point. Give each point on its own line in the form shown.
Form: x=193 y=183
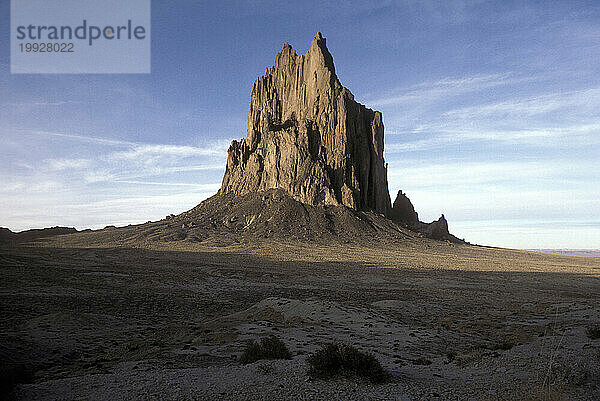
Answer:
x=308 y=136
x=404 y=213
x=437 y=229
x=403 y=210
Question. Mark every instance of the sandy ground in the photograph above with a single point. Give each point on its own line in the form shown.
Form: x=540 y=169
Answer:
x=168 y=320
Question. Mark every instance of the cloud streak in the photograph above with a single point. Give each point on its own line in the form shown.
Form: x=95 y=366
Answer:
x=431 y=91
x=42 y=104
x=82 y=138
x=141 y=151
x=582 y=100
x=67 y=164
x=133 y=160
x=440 y=136
x=203 y=187
x=474 y=174
x=98 y=213
x=152 y=179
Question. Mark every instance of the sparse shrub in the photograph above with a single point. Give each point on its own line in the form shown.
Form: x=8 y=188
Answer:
x=252 y=352
x=269 y=348
x=593 y=332
x=334 y=360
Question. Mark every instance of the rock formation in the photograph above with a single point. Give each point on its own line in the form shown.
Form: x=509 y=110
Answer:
x=437 y=229
x=403 y=210
x=309 y=137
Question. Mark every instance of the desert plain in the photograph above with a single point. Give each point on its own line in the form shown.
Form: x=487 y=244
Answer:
x=88 y=316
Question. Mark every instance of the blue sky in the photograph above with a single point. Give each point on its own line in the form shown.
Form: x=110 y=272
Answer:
x=491 y=109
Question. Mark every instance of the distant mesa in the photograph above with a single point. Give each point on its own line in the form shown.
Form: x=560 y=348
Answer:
x=9 y=237
x=308 y=137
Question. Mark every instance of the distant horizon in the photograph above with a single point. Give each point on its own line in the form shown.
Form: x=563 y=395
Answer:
x=543 y=250
x=491 y=114
x=587 y=253
x=562 y=249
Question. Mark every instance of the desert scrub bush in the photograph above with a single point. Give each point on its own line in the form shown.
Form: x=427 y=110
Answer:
x=269 y=348
x=593 y=332
x=335 y=360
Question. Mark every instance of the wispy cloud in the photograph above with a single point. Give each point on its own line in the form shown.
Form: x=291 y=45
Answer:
x=155 y=160
x=132 y=160
x=67 y=164
x=21 y=188
x=202 y=187
x=444 y=88
x=126 y=171
x=97 y=213
x=137 y=169
x=477 y=173
x=439 y=135
x=137 y=150
x=42 y=104
x=82 y=138
x=141 y=151
x=99 y=167
x=588 y=99
x=98 y=175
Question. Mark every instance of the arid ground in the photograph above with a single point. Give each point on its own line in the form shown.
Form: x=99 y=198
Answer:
x=90 y=319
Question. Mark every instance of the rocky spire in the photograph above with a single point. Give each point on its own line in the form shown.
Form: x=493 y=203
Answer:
x=307 y=135
x=403 y=210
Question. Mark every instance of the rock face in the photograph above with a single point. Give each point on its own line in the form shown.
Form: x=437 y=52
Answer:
x=308 y=136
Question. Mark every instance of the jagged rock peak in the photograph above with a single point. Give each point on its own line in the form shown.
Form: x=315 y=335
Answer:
x=307 y=136
x=403 y=210
x=439 y=229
